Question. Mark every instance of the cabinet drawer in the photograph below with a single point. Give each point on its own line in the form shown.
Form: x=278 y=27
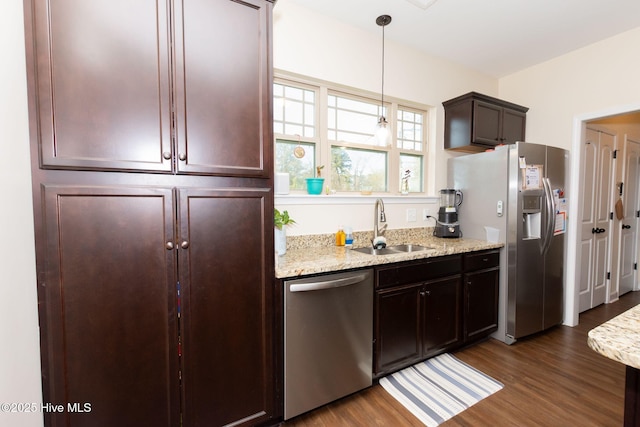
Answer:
x=481 y=260
x=420 y=271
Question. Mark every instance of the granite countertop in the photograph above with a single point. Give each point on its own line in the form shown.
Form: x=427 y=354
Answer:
x=300 y=261
x=619 y=338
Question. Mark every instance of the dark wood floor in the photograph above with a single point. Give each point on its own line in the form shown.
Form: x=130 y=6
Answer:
x=550 y=379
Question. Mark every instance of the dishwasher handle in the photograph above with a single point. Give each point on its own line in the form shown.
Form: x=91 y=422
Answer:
x=327 y=284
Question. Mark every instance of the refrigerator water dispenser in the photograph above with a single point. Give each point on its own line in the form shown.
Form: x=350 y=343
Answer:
x=531 y=223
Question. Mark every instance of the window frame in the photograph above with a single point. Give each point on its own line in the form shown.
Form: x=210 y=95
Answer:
x=324 y=146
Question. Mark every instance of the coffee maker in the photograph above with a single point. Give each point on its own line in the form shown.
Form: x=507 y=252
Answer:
x=447 y=223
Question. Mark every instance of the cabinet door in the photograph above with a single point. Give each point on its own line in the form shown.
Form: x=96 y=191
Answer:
x=487 y=124
x=108 y=306
x=100 y=73
x=513 y=126
x=226 y=270
x=442 y=315
x=398 y=328
x=481 y=303
x=223 y=87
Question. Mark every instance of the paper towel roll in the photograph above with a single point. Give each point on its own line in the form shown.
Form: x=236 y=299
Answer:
x=281 y=183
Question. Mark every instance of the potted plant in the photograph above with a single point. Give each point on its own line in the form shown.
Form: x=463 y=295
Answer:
x=280 y=221
x=314 y=185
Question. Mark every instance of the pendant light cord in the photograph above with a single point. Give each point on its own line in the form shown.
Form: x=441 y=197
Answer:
x=382 y=106
x=383 y=21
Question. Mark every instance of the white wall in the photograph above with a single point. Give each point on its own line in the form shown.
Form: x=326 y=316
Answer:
x=318 y=46
x=596 y=81
x=602 y=77
x=19 y=335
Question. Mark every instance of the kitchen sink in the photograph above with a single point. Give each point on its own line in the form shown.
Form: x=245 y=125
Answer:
x=396 y=249
x=372 y=251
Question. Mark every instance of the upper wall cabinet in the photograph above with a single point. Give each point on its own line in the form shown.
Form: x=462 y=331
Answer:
x=113 y=94
x=476 y=122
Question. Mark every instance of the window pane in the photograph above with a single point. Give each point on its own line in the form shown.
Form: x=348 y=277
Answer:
x=297 y=167
x=412 y=164
x=410 y=131
x=358 y=170
x=294 y=110
x=352 y=120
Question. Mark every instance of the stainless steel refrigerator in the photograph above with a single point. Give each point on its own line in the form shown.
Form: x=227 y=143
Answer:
x=517 y=195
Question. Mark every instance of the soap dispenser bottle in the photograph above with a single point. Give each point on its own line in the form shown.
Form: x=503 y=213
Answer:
x=348 y=241
x=340 y=237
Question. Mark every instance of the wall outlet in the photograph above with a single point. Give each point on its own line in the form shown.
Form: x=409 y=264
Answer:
x=426 y=214
x=411 y=215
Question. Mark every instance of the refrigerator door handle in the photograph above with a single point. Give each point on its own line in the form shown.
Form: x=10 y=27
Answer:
x=550 y=214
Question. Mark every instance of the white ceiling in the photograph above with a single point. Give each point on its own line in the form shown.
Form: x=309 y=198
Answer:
x=495 y=37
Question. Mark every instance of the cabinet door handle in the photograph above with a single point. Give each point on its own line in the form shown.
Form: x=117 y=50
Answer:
x=169 y=245
x=425 y=293
x=626 y=227
x=182 y=156
x=184 y=244
x=167 y=155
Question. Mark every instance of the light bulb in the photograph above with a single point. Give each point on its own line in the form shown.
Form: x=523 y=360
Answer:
x=383 y=132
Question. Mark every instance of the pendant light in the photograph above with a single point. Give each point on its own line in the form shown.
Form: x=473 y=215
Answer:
x=383 y=129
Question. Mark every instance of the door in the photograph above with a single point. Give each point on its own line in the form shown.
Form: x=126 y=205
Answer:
x=629 y=223
x=487 y=123
x=481 y=302
x=525 y=309
x=597 y=191
x=224 y=242
x=223 y=89
x=513 y=126
x=102 y=84
x=108 y=306
x=328 y=331
x=398 y=328
x=441 y=314
x=557 y=172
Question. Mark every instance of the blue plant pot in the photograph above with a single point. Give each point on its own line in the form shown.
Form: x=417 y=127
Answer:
x=314 y=185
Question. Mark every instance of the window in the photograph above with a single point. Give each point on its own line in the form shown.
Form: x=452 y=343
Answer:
x=318 y=124
x=295 y=115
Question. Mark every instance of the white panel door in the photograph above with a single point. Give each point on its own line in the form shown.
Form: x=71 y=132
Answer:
x=589 y=187
x=597 y=179
x=629 y=224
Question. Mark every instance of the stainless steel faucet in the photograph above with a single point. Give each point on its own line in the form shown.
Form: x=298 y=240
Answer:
x=378 y=217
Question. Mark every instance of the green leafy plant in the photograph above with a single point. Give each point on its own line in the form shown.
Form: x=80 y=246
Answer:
x=280 y=219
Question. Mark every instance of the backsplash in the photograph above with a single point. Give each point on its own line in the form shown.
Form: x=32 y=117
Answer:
x=361 y=238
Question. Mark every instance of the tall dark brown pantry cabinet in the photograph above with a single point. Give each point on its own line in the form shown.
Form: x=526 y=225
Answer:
x=151 y=144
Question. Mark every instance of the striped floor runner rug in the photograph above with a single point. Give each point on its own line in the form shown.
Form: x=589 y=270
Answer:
x=439 y=388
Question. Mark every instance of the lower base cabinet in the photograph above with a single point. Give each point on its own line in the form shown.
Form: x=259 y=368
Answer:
x=427 y=307
x=441 y=314
x=481 y=285
x=153 y=311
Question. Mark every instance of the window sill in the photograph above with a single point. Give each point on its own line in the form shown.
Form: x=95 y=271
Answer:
x=351 y=199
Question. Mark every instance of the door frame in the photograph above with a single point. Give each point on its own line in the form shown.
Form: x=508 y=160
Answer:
x=571 y=301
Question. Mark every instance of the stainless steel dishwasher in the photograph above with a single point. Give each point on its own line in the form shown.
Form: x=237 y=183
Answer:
x=328 y=332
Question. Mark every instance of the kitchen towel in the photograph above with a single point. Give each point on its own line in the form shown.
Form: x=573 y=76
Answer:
x=439 y=388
